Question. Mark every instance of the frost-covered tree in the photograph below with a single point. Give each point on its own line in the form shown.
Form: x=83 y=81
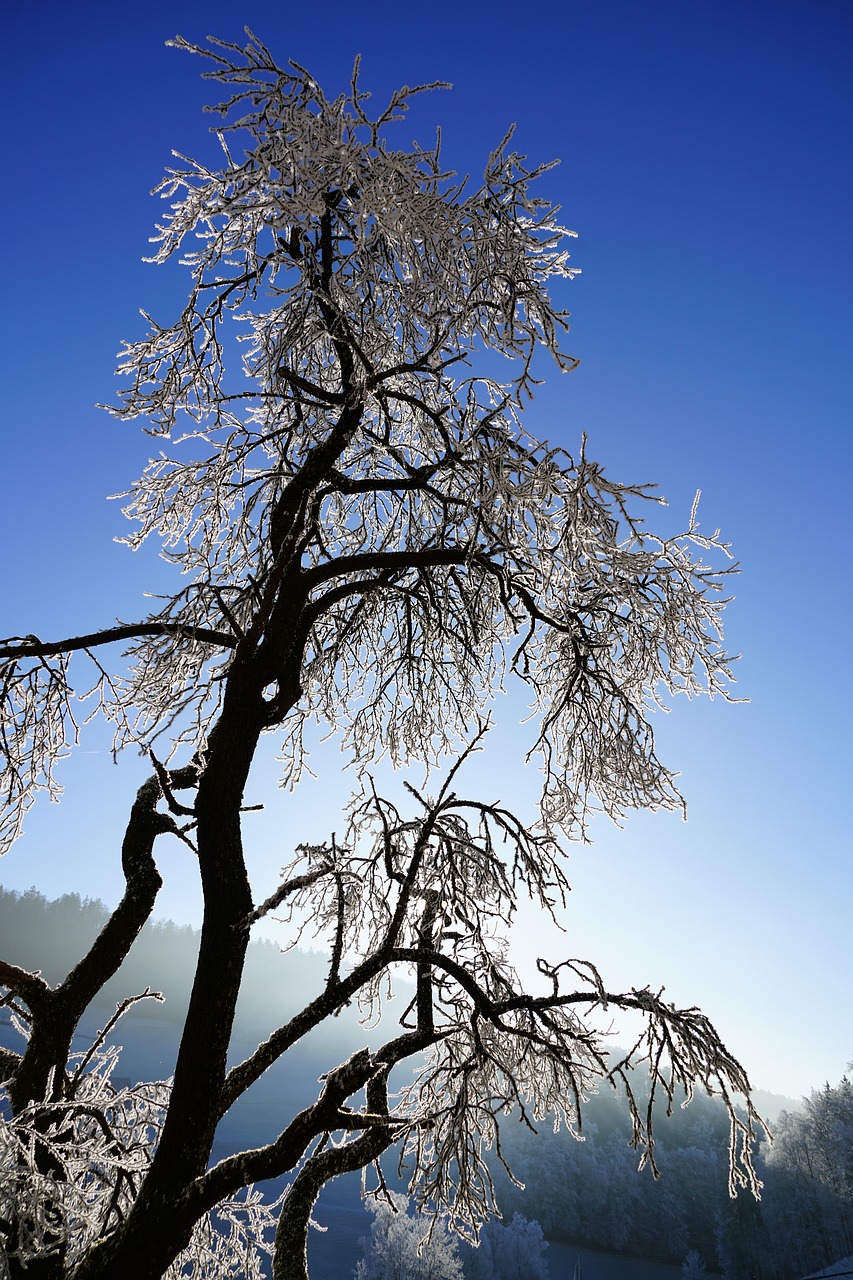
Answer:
x=805 y=1218
x=514 y=1250
x=403 y=1246
x=808 y=1212
x=97 y=1139
x=367 y=535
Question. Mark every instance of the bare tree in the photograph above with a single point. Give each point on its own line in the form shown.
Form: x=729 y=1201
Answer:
x=368 y=536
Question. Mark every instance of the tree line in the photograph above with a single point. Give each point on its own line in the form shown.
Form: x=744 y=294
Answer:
x=591 y=1192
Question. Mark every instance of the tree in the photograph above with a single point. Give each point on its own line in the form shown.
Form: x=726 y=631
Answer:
x=808 y=1211
x=366 y=534
x=403 y=1247
x=510 y=1251
x=693 y=1268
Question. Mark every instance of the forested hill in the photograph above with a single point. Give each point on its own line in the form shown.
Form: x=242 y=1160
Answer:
x=52 y=937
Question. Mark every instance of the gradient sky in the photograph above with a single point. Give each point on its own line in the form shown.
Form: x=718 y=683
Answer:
x=706 y=168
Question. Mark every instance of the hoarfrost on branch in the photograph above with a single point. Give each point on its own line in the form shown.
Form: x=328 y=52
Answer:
x=367 y=535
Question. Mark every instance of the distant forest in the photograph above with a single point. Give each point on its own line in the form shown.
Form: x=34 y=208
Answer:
x=52 y=937
x=587 y=1192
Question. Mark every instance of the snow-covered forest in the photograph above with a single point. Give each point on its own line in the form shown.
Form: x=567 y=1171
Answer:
x=588 y=1193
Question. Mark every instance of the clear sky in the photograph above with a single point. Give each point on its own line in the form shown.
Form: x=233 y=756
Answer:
x=706 y=167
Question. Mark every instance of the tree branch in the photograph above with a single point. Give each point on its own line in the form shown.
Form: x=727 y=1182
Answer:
x=278 y=1157
x=390 y=561
x=32 y=647
x=31 y=987
x=58 y=1011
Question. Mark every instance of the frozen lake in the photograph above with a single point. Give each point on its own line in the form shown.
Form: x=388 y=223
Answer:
x=605 y=1266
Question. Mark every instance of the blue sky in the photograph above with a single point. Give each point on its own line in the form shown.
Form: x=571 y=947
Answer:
x=706 y=167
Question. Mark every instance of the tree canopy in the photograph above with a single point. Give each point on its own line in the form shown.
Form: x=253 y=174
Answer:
x=366 y=534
